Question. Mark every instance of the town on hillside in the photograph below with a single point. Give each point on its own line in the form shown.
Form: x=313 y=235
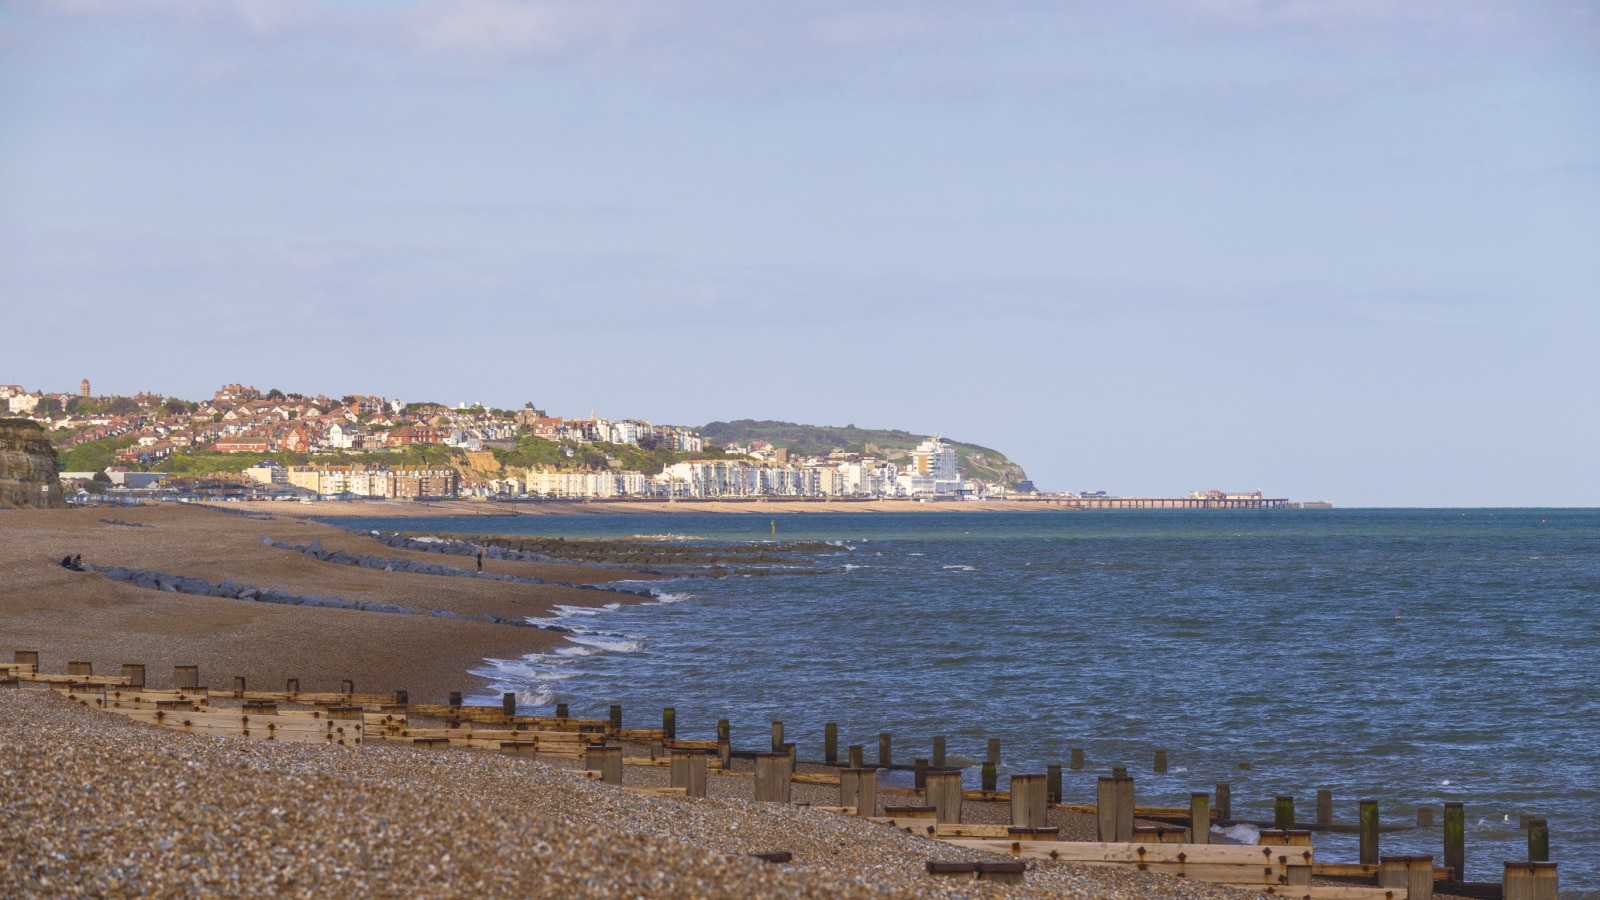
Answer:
x=246 y=443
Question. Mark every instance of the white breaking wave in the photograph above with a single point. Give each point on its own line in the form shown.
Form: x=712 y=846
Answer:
x=1242 y=834
x=534 y=678
x=960 y=568
x=608 y=643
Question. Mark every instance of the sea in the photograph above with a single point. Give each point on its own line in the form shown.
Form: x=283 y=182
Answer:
x=1409 y=656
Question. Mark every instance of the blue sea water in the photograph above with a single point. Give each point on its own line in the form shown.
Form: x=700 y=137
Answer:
x=1409 y=656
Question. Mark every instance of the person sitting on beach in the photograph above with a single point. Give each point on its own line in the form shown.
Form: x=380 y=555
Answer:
x=66 y=561
x=77 y=563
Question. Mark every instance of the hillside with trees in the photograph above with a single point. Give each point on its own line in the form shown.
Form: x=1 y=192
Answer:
x=977 y=462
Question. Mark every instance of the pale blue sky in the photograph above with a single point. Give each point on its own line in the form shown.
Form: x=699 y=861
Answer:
x=1327 y=249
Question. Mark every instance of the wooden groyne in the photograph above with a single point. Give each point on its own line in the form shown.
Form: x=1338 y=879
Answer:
x=1174 y=840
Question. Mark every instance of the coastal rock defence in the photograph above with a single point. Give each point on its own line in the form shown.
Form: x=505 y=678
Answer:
x=28 y=473
x=231 y=590
x=416 y=567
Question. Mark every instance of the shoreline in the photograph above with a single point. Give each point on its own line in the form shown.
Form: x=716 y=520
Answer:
x=90 y=617
x=338 y=509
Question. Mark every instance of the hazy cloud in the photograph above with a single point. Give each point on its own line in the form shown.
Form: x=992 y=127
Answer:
x=508 y=28
x=499 y=30
x=264 y=18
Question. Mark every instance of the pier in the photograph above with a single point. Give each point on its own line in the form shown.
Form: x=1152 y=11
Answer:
x=1166 y=502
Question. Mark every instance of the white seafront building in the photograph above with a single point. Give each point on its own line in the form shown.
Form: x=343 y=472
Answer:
x=932 y=470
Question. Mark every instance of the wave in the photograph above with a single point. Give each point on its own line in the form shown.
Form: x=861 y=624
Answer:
x=960 y=568
x=534 y=678
x=1239 y=834
x=608 y=643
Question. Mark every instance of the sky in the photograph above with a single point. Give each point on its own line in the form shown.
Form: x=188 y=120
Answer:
x=1341 y=249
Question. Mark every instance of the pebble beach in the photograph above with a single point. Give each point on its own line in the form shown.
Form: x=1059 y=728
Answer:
x=95 y=806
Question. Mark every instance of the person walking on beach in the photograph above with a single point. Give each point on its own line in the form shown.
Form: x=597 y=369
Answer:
x=480 y=560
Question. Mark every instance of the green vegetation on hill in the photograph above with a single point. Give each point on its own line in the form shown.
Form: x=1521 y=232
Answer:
x=977 y=462
x=539 y=453
x=93 y=456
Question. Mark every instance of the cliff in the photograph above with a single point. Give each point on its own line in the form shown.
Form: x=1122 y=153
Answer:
x=976 y=462
x=28 y=474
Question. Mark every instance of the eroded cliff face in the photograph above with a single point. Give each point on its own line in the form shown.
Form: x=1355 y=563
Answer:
x=28 y=474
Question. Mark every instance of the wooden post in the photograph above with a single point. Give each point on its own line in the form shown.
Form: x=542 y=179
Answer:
x=508 y=704
x=944 y=795
x=1161 y=762
x=134 y=672
x=938 y=752
x=561 y=711
x=292 y=686
x=1538 y=840
x=1455 y=839
x=26 y=658
x=1529 y=881
x=994 y=751
x=402 y=697
x=859 y=788
x=1030 y=804
x=1052 y=775
x=455 y=696
x=85 y=669
x=777 y=735
x=1424 y=817
x=1114 y=809
x=1283 y=813
x=1125 y=801
x=616 y=717
x=347 y=686
x=605 y=759
x=186 y=676
x=884 y=758
x=1077 y=759
x=830 y=743
x=991 y=777
x=1369 y=832
x=1199 y=818
x=238 y=684
x=669 y=723
x=919 y=778
x=856 y=754
x=724 y=745
x=1324 y=807
x=1413 y=874
x=689 y=772
x=772 y=777
x=1225 y=801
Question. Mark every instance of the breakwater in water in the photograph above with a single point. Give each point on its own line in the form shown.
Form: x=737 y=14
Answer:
x=1411 y=657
